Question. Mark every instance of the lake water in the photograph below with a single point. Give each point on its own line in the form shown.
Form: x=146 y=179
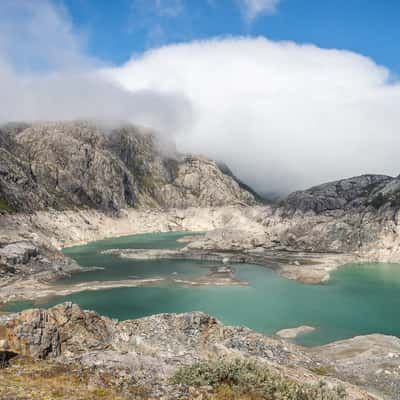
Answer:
x=358 y=300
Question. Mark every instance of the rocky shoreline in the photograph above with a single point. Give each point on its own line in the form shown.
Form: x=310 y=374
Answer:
x=310 y=268
x=38 y=291
x=265 y=238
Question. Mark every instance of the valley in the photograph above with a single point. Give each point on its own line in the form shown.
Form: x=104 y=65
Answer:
x=108 y=221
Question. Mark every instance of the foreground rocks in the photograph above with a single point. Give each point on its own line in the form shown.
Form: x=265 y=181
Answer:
x=149 y=350
x=371 y=361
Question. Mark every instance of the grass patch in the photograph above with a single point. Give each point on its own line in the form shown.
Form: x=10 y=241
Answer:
x=246 y=380
x=48 y=380
x=323 y=370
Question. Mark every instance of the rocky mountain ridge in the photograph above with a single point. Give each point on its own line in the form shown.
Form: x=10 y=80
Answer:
x=357 y=217
x=351 y=193
x=72 y=165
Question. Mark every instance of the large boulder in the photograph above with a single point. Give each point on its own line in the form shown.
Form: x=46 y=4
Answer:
x=64 y=329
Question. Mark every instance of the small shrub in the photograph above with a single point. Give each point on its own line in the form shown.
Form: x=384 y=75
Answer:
x=247 y=380
x=5 y=207
x=323 y=370
x=100 y=393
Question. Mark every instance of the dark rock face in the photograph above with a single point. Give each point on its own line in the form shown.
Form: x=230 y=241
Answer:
x=18 y=187
x=69 y=165
x=345 y=194
x=27 y=258
x=65 y=329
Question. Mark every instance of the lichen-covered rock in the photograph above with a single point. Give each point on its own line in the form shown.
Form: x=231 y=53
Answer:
x=64 y=329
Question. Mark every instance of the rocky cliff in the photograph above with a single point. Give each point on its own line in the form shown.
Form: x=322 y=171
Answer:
x=359 y=215
x=362 y=191
x=313 y=231
x=81 y=165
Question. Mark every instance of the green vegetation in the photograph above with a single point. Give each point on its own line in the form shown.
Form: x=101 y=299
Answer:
x=323 y=370
x=393 y=198
x=25 y=379
x=242 y=379
x=5 y=207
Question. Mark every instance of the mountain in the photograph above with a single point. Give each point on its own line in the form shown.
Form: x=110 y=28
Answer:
x=357 y=192
x=70 y=165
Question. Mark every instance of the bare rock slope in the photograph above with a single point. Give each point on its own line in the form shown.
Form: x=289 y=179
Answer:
x=356 y=219
x=80 y=165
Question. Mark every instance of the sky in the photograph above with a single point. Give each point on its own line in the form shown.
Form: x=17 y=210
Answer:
x=119 y=28
x=288 y=93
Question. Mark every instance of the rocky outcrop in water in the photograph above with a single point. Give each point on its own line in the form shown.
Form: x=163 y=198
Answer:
x=23 y=259
x=80 y=165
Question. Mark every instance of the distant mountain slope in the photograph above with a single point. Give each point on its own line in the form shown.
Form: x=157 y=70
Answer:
x=376 y=191
x=67 y=165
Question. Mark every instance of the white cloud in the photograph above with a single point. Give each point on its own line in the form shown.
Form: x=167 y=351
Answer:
x=251 y=9
x=282 y=115
x=46 y=75
x=37 y=35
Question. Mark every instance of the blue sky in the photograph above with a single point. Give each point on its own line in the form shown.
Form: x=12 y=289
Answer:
x=117 y=29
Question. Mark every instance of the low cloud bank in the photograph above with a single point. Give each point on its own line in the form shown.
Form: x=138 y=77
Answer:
x=282 y=115
x=46 y=75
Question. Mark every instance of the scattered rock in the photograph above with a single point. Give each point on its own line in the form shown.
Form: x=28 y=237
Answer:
x=294 y=332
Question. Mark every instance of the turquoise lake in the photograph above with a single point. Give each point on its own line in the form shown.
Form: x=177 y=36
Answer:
x=358 y=300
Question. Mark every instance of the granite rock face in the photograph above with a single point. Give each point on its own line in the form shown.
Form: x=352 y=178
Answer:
x=199 y=181
x=23 y=259
x=358 y=216
x=65 y=329
x=80 y=165
x=345 y=194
